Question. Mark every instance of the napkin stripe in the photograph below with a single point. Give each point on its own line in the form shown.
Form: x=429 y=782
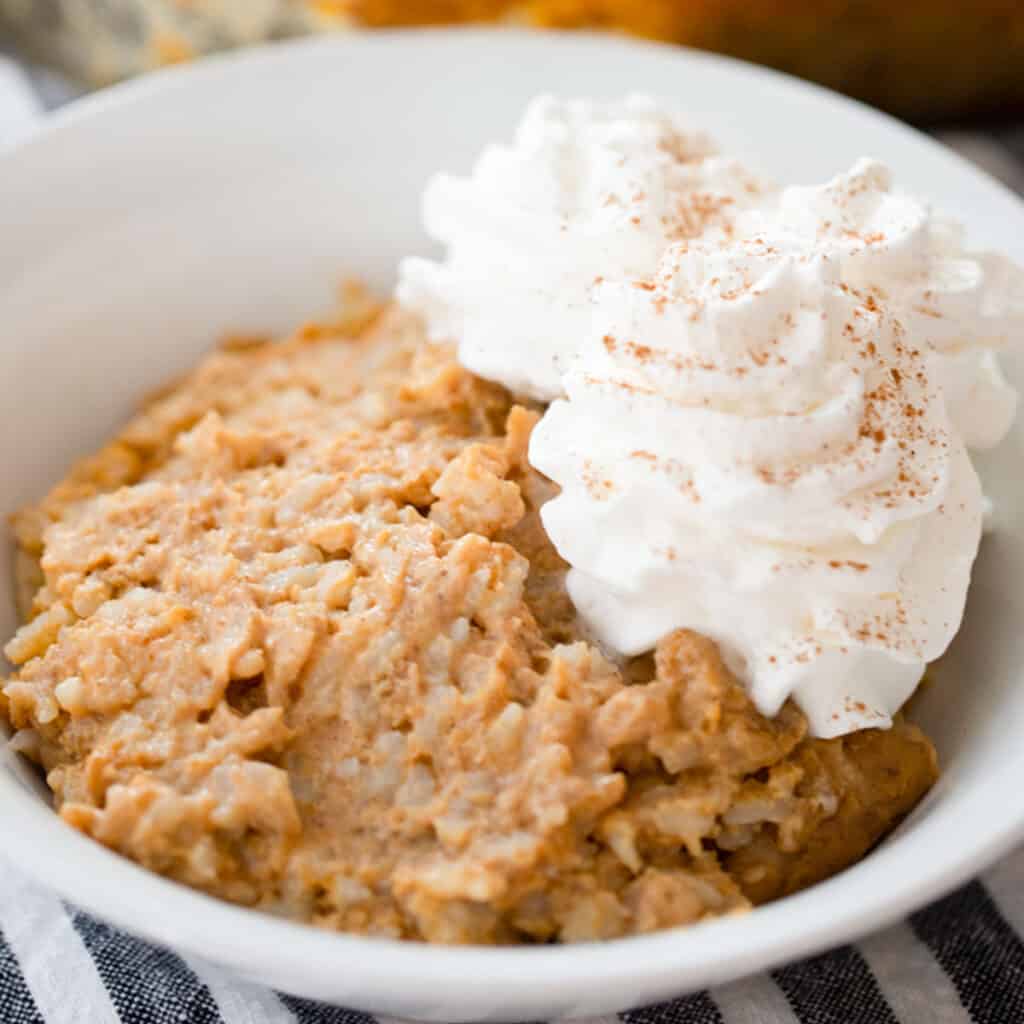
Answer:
x=16 y=1002
x=240 y=1001
x=911 y=979
x=696 y=1009
x=834 y=988
x=308 y=1012
x=20 y=104
x=147 y=984
x=51 y=955
x=980 y=952
x=753 y=1000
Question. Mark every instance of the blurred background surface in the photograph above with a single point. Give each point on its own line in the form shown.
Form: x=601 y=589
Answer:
x=929 y=61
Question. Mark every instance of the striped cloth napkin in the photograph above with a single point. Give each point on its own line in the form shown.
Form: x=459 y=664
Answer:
x=958 y=961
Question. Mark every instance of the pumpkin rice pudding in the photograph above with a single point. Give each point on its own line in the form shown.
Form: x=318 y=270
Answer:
x=296 y=638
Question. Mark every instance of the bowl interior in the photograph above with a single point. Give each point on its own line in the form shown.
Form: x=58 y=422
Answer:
x=236 y=196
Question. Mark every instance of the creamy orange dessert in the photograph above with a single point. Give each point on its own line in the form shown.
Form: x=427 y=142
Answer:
x=575 y=594
x=297 y=638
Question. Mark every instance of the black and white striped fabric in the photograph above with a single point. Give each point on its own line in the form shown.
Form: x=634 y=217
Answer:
x=958 y=961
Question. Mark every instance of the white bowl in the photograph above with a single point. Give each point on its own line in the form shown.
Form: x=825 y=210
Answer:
x=140 y=223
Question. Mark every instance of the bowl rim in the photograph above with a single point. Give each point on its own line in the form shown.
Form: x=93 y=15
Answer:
x=120 y=891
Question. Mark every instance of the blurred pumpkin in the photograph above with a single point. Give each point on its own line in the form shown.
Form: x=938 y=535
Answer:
x=918 y=58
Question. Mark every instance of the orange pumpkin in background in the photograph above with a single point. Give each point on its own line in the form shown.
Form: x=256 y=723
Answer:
x=918 y=58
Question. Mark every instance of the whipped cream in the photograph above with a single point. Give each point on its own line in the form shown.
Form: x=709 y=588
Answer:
x=753 y=449
x=964 y=306
x=762 y=397
x=586 y=191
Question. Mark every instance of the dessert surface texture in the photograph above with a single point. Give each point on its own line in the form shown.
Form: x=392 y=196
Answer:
x=297 y=638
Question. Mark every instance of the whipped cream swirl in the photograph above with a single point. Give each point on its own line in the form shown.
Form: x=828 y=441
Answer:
x=964 y=305
x=762 y=397
x=751 y=448
x=586 y=192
